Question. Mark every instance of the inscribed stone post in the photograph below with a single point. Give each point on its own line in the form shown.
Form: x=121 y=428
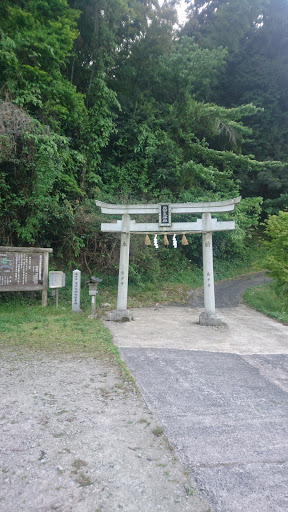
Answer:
x=76 y=287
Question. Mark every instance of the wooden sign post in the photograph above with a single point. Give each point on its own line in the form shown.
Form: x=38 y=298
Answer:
x=205 y=225
x=24 y=269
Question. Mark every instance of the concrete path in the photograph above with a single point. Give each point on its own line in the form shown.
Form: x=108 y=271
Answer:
x=221 y=394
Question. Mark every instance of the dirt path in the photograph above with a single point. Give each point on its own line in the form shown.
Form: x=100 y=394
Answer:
x=74 y=439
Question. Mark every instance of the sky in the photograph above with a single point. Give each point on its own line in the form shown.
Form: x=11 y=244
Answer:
x=181 y=11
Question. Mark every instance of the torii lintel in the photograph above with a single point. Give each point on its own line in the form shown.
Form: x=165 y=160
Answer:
x=144 y=209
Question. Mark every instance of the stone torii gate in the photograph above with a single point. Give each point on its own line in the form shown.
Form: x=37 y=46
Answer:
x=164 y=211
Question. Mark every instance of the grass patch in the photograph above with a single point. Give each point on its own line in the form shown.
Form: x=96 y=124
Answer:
x=158 y=431
x=235 y=267
x=161 y=293
x=266 y=300
x=61 y=331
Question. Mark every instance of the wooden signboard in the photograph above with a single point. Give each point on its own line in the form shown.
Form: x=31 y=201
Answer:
x=24 y=269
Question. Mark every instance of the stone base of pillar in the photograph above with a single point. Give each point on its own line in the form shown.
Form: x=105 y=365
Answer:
x=120 y=316
x=93 y=316
x=206 y=319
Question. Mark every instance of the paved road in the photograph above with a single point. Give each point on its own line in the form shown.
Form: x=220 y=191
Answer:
x=228 y=293
x=221 y=394
x=227 y=420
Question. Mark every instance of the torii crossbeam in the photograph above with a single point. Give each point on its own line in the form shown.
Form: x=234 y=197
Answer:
x=165 y=225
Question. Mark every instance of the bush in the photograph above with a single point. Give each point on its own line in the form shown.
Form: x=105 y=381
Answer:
x=276 y=231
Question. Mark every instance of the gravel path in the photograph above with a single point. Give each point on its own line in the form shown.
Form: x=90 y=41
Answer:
x=75 y=439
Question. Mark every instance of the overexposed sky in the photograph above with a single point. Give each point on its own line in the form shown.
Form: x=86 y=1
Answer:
x=181 y=10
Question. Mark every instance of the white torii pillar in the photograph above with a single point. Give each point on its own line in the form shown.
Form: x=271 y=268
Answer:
x=122 y=311
x=208 y=317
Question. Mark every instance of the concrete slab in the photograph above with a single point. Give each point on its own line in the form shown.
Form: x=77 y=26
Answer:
x=226 y=419
x=220 y=394
x=244 y=331
x=246 y=487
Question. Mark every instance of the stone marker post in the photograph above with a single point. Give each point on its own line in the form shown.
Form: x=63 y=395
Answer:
x=76 y=288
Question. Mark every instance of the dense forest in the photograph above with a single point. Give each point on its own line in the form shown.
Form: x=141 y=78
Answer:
x=114 y=100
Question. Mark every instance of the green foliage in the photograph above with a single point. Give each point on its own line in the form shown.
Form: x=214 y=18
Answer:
x=267 y=179
x=160 y=131
x=105 y=99
x=233 y=244
x=255 y=35
x=223 y=23
x=39 y=169
x=269 y=301
x=39 y=175
x=276 y=231
x=252 y=259
x=188 y=69
x=273 y=206
x=36 y=41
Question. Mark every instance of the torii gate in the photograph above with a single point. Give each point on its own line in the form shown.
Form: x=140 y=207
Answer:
x=164 y=211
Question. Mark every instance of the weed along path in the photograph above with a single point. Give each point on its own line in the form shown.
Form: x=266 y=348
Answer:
x=221 y=396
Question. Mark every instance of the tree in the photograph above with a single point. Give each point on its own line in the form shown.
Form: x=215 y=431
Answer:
x=260 y=74
x=35 y=43
x=121 y=108
x=164 y=126
x=222 y=23
x=107 y=28
x=276 y=231
x=41 y=112
x=255 y=35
